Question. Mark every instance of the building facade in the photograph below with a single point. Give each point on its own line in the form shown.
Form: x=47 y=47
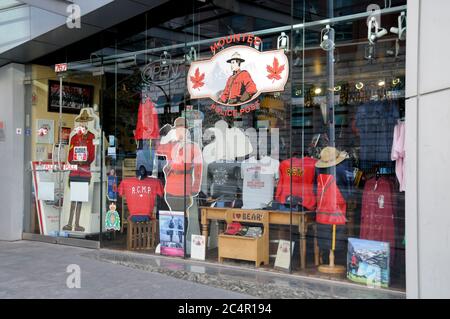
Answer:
x=292 y=136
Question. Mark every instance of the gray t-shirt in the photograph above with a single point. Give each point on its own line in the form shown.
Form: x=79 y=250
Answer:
x=224 y=179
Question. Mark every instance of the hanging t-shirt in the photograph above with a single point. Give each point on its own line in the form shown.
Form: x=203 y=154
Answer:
x=259 y=181
x=224 y=179
x=147 y=126
x=377 y=212
x=375 y=122
x=141 y=194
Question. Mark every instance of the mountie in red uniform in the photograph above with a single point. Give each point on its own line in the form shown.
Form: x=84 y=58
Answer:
x=331 y=205
x=302 y=173
x=82 y=154
x=239 y=88
x=182 y=159
x=147 y=127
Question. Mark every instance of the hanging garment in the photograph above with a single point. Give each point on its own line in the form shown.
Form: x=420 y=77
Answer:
x=331 y=205
x=375 y=122
x=377 y=212
x=398 y=154
x=259 y=181
x=302 y=174
x=147 y=126
x=141 y=194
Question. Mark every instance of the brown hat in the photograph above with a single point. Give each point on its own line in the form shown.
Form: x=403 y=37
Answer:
x=330 y=157
x=84 y=117
x=180 y=122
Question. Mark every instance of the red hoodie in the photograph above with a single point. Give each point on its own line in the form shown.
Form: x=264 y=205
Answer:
x=302 y=173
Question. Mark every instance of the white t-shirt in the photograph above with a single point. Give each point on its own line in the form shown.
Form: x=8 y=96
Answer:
x=259 y=181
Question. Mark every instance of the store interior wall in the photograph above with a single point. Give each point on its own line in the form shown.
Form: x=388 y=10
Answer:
x=12 y=169
x=41 y=75
x=428 y=118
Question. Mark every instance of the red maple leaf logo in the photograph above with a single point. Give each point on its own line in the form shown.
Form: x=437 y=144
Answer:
x=197 y=79
x=275 y=70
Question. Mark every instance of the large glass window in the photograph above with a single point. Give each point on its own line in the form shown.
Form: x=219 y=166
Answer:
x=269 y=134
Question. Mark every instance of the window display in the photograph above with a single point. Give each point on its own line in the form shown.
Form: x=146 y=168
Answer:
x=287 y=142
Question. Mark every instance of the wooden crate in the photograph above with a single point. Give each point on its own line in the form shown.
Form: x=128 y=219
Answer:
x=142 y=235
x=246 y=248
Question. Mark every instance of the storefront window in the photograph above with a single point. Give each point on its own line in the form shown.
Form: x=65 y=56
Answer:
x=267 y=135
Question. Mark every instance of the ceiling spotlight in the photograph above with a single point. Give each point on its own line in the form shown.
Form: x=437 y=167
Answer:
x=283 y=42
x=327 y=38
x=337 y=88
x=381 y=83
x=401 y=29
x=298 y=92
x=359 y=85
x=317 y=91
x=396 y=81
x=374 y=31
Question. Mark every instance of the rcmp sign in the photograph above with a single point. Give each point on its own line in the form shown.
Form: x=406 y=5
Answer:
x=235 y=77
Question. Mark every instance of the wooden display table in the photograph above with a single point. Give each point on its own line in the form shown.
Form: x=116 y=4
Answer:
x=246 y=248
x=300 y=219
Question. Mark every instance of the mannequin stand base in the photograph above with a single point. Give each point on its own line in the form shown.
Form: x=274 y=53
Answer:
x=329 y=269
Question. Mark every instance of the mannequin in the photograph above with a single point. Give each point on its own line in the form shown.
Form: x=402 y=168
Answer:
x=333 y=187
x=140 y=193
x=82 y=154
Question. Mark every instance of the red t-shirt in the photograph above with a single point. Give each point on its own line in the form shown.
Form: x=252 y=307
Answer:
x=141 y=194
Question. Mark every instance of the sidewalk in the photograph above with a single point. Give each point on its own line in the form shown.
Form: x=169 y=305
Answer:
x=38 y=270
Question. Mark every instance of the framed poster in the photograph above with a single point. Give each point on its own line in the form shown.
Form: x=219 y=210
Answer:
x=45 y=132
x=171 y=233
x=75 y=97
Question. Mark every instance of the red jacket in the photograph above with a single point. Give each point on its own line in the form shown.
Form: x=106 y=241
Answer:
x=147 y=127
x=331 y=205
x=177 y=154
x=82 y=154
x=302 y=173
x=237 y=85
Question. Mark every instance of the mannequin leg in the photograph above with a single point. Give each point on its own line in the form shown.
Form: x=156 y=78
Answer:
x=69 y=224
x=77 y=218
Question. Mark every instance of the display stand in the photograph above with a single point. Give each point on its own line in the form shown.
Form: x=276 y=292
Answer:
x=332 y=268
x=246 y=248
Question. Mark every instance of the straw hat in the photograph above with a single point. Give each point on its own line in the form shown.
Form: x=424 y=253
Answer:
x=236 y=56
x=84 y=117
x=330 y=157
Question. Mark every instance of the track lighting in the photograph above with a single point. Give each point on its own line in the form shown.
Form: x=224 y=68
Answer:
x=374 y=31
x=317 y=91
x=327 y=38
x=400 y=31
x=359 y=85
x=381 y=83
x=283 y=41
x=337 y=88
x=396 y=81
